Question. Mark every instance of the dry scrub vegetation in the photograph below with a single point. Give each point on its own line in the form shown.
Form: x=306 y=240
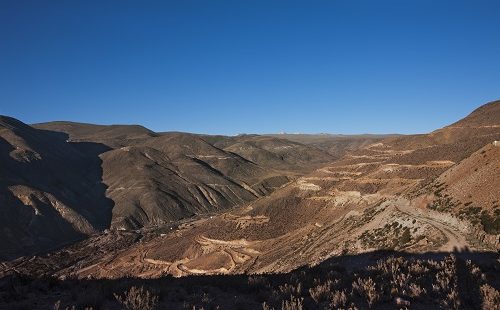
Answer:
x=392 y=282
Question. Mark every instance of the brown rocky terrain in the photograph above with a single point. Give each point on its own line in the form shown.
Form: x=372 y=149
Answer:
x=50 y=190
x=63 y=181
x=419 y=193
x=190 y=205
x=336 y=145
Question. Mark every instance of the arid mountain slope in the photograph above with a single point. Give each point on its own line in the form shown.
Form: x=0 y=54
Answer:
x=63 y=181
x=171 y=176
x=154 y=189
x=458 y=140
x=50 y=190
x=484 y=116
x=111 y=135
x=335 y=145
x=470 y=190
x=411 y=194
x=476 y=178
x=400 y=193
x=275 y=152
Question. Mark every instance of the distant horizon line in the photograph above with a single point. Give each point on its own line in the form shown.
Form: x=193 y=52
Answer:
x=278 y=133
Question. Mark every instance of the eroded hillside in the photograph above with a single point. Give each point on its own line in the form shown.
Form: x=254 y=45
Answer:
x=434 y=192
x=64 y=181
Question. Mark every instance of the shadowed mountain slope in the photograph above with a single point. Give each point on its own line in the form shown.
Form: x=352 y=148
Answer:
x=171 y=176
x=62 y=181
x=50 y=190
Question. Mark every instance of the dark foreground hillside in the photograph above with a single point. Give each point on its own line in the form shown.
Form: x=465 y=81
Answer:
x=377 y=280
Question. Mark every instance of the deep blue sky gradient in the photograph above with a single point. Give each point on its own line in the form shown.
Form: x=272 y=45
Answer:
x=228 y=67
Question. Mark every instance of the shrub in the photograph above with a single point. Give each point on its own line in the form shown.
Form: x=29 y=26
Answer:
x=367 y=288
x=490 y=224
x=415 y=290
x=339 y=299
x=292 y=304
x=137 y=299
x=265 y=306
x=491 y=297
x=405 y=237
x=289 y=289
x=446 y=283
x=322 y=292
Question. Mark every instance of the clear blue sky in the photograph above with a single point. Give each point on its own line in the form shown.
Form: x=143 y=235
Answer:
x=250 y=66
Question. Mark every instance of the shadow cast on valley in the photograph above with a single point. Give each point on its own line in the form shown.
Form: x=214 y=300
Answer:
x=51 y=177
x=377 y=280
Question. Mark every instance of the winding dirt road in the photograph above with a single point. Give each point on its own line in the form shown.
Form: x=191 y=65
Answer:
x=455 y=239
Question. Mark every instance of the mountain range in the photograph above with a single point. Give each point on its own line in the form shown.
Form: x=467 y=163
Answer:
x=248 y=203
x=63 y=181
